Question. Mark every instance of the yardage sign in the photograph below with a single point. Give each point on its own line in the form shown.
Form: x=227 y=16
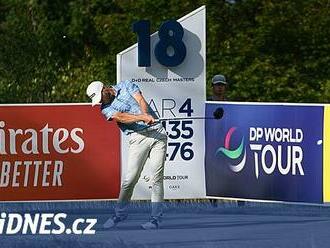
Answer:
x=169 y=67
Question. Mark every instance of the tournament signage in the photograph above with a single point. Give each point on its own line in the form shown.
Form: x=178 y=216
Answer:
x=267 y=152
x=326 y=153
x=169 y=68
x=57 y=152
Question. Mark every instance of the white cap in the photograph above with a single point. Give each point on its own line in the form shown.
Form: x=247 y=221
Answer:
x=219 y=79
x=94 y=92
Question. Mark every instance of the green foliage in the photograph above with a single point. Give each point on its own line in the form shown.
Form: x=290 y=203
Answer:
x=269 y=50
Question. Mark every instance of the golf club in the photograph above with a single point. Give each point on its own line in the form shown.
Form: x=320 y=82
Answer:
x=217 y=115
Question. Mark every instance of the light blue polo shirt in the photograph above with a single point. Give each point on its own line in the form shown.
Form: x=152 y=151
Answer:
x=124 y=102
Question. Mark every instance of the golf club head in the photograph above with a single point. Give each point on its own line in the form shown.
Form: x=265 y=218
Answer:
x=218 y=113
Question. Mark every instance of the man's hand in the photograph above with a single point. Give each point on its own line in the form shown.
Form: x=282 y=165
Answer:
x=148 y=119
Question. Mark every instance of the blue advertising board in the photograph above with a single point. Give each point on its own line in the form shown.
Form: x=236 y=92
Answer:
x=266 y=152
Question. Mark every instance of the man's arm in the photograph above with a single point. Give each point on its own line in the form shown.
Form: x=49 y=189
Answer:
x=143 y=106
x=142 y=102
x=130 y=118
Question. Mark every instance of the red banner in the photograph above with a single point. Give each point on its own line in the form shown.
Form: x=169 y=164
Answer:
x=57 y=152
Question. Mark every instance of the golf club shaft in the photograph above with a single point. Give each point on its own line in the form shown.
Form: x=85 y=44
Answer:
x=183 y=118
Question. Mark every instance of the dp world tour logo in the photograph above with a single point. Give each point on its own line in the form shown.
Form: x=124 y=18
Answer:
x=233 y=155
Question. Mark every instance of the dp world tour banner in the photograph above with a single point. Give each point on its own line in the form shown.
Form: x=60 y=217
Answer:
x=57 y=152
x=268 y=152
x=169 y=67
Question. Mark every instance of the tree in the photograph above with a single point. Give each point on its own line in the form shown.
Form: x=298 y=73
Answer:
x=269 y=50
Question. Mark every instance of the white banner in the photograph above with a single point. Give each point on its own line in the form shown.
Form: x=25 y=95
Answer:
x=173 y=91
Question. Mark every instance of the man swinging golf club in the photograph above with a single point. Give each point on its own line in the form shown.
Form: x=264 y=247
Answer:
x=125 y=104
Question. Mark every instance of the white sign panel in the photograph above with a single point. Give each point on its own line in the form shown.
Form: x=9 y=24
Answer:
x=173 y=91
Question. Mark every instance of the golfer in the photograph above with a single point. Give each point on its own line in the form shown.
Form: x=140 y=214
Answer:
x=125 y=104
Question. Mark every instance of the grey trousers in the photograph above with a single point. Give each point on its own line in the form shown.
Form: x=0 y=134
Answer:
x=149 y=144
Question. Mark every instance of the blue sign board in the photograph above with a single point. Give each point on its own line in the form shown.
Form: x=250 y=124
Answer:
x=267 y=152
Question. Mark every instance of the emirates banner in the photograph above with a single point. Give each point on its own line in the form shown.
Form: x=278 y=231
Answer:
x=57 y=152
